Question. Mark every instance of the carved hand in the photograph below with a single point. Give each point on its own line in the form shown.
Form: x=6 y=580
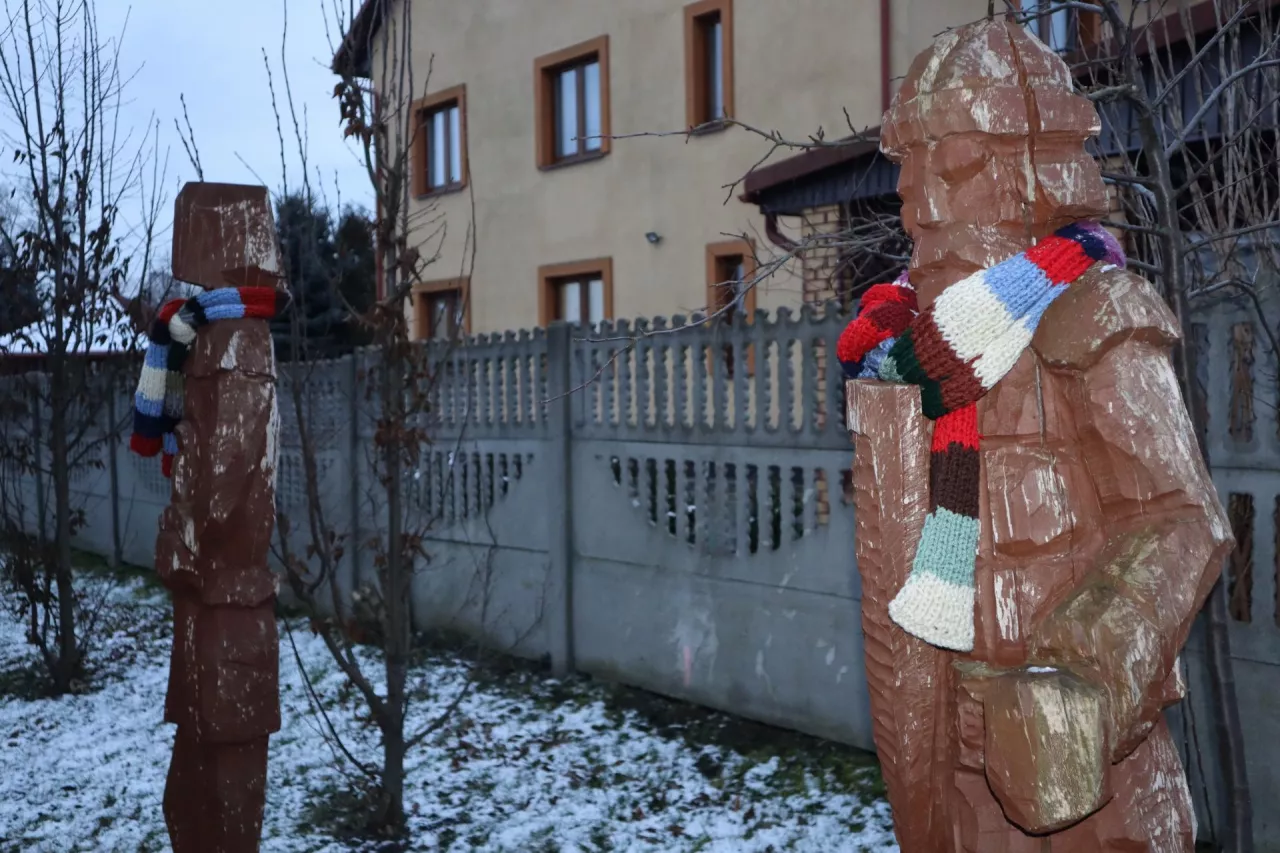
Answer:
x=1046 y=744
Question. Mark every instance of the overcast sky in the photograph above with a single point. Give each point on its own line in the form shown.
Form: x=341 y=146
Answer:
x=211 y=52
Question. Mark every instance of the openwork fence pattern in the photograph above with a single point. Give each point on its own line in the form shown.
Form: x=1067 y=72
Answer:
x=665 y=503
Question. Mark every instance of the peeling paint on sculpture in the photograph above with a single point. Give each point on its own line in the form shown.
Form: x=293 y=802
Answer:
x=1100 y=530
x=213 y=543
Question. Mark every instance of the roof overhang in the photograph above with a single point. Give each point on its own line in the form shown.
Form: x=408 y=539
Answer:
x=353 y=56
x=841 y=171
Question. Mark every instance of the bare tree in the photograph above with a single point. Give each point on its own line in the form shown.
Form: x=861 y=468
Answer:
x=397 y=382
x=1190 y=143
x=78 y=177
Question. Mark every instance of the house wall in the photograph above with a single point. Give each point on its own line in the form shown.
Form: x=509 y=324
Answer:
x=797 y=67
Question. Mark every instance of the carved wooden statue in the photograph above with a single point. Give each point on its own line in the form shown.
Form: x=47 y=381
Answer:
x=1015 y=400
x=207 y=401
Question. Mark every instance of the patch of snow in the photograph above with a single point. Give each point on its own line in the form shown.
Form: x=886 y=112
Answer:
x=512 y=770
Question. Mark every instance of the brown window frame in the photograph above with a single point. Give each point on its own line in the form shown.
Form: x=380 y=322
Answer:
x=717 y=255
x=421 y=147
x=545 y=71
x=552 y=276
x=697 y=63
x=423 y=293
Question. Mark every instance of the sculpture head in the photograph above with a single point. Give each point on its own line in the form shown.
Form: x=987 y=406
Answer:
x=990 y=138
x=224 y=235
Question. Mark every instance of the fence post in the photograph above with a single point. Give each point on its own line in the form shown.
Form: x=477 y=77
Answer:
x=113 y=474
x=558 y=482
x=354 y=457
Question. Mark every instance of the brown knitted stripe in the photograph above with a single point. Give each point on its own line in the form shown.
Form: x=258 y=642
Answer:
x=934 y=354
x=953 y=480
x=961 y=388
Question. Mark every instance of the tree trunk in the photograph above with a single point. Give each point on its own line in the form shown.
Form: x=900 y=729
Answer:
x=390 y=814
x=396 y=591
x=67 y=665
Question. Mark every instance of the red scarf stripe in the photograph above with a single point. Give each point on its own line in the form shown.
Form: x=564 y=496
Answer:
x=1063 y=260
x=260 y=302
x=959 y=427
x=891 y=293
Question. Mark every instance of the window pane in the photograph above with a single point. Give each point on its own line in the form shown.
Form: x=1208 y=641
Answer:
x=715 y=70
x=567 y=113
x=740 y=284
x=1030 y=7
x=571 y=302
x=437 y=174
x=455 y=146
x=439 y=317
x=595 y=301
x=591 y=89
x=1059 y=24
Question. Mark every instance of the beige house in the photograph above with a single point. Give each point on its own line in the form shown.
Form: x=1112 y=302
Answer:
x=537 y=110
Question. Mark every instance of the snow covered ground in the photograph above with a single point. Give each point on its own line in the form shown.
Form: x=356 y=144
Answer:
x=524 y=764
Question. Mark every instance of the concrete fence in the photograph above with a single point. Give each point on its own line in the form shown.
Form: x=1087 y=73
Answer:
x=675 y=515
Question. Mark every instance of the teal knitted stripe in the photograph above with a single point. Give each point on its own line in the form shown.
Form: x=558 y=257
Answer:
x=889 y=371
x=948 y=547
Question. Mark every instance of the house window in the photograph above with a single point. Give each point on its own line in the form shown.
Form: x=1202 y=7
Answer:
x=440 y=149
x=442 y=309
x=708 y=59
x=730 y=272
x=731 y=292
x=1052 y=24
x=580 y=292
x=573 y=103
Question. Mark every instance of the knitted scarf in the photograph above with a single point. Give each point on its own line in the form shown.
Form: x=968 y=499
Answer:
x=956 y=350
x=157 y=404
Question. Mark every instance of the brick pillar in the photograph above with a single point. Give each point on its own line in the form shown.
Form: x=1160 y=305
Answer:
x=820 y=262
x=819 y=265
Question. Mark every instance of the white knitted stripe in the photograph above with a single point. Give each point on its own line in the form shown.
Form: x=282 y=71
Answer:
x=1001 y=355
x=970 y=316
x=938 y=612
x=151 y=384
x=180 y=330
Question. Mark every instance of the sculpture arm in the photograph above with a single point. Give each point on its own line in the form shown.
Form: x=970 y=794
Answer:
x=1103 y=662
x=1166 y=536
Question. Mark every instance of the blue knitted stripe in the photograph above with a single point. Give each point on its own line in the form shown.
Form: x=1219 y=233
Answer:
x=871 y=363
x=147 y=406
x=1018 y=283
x=1036 y=311
x=222 y=304
x=157 y=356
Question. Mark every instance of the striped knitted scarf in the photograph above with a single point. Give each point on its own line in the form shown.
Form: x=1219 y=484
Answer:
x=956 y=350
x=157 y=404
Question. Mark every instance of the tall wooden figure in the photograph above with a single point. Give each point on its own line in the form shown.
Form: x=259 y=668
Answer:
x=1036 y=526
x=207 y=402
